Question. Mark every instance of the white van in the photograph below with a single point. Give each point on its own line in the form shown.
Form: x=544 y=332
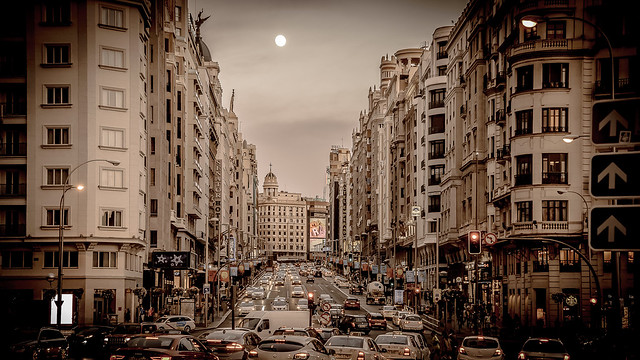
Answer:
x=264 y=323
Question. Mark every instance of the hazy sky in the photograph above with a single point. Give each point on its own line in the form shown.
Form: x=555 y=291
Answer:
x=294 y=102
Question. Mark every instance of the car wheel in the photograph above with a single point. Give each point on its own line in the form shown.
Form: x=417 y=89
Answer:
x=187 y=328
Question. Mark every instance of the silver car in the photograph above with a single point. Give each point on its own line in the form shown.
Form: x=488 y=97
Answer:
x=287 y=347
x=480 y=347
x=246 y=307
x=399 y=346
x=280 y=304
x=354 y=348
x=258 y=294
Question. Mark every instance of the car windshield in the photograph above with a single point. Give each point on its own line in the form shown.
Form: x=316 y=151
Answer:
x=336 y=306
x=247 y=304
x=224 y=335
x=92 y=331
x=391 y=340
x=352 y=342
x=303 y=302
x=412 y=318
x=151 y=342
x=297 y=288
x=279 y=302
x=279 y=346
x=126 y=329
x=388 y=307
x=360 y=319
x=290 y=332
x=377 y=316
x=249 y=323
x=545 y=346
x=480 y=343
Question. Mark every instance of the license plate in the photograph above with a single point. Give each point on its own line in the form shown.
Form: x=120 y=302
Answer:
x=343 y=356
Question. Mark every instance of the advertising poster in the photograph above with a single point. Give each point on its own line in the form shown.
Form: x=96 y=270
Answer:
x=318 y=228
x=398 y=297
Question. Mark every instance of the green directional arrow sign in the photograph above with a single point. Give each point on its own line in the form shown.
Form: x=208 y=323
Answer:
x=615 y=228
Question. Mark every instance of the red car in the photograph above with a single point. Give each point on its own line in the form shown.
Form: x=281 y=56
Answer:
x=352 y=303
x=376 y=320
x=160 y=346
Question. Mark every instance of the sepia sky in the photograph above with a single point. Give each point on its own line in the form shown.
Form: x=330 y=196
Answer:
x=295 y=102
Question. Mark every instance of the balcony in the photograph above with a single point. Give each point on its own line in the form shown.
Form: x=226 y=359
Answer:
x=441 y=55
x=13 y=149
x=433 y=208
x=436 y=155
x=567 y=265
x=501 y=117
x=503 y=154
x=11 y=109
x=11 y=190
x=436 y=104
x=522 y=179
x=500 y=78
x=522 y=131
x=434 y=180
x=436 y=130
x=463 y=111
x=540 y=266
x=13 y=230
x=554 y=177
x=178 y=223
x=554 y=129
x=624 y=85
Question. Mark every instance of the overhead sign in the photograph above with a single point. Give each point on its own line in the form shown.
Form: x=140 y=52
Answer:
x=616 y=121
x=615 y=175
x=614 y=228
x=171 y=259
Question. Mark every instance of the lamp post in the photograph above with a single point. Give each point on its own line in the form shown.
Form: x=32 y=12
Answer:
x=437 y=271
x=206 y=267
x=66 y=188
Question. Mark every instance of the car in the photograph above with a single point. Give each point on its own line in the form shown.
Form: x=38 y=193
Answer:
x=308 y=331
x=87 y=340
x=230 y=344
x=248 y=292
x=327 y=273
x=543 y=348
x=399 y=346
x=296 y=281
x=265 y=281
x=297 y=291
x=164 y=346
x=411 y=322
x=327 y=333
x=283 y=347
x=354 y=347
x=125 y=331
x=336 y=311
x=480 y=347
x=311 y=279
x=258 y=294
x=303 y=272
x=279 y=281
x=37 y=344
x=352 y=303
x=377 y=321
x=389 y=311
x=303 y=304
x=420 y=341
x=399 y=316
x=246 y=307
x=179 y=322
x=356 y=290
x=280 y=304
x=326 y=298
x=318 y=273
x=352 y=323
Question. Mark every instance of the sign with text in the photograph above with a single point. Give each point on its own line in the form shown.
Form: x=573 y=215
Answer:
x=615 y=175
x=614 y=228
x=616 y=121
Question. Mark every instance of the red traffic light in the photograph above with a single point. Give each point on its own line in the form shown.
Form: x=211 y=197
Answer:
x=475 y=242
x=593 y=301
x=310 y=296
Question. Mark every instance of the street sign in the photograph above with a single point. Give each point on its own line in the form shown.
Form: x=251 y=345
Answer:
x=398 y=297
x=611 y=117
x=206 y=289
x=326 y=306
x=437 y=295
x=325 y=318
x=614 y=228
x=416 y=211
x=615 y=175
x=490 y=239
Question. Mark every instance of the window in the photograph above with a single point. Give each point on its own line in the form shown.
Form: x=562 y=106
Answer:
x=436 y=149
x=554 y=210
x=569 y=261
x=153 y=145
x=554 y=168
x=523 y=211
x=436 y=98
x=52 y=217
x=435 y=174
x=111 y=17
x=523 y=170
x=57 y=176
x=179 y=101
x=112 y=58
x=56 y=13
x=556 y=30
x=105 y=259
x=17 y=259
x=113 y=138
x=112 y=98
x=57 y=95
x=530 y=33
x=178 y=14
x=541 y=260
x=111 y=178
x=555 y=75
x=111 y=218
x=436 y=124
x=57 y=54
x=442 y=70
x=153 y=237
x=154 y=207
x=554 y=119
x=69 y=259
x=152 y=177
x=57 y=135
x=524 y=122
x=524 y=78
x=434 y=203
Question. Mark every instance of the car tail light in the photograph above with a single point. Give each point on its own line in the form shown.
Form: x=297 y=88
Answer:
x=116 y=357
x=253 y=354
x=407 y=352
x=566 y=357
x=462 y=350
x=353 y=324
x=360 y=355
x=160 y=357
x=234 y=347
x=301 y=356
x=522 y=356
x=497 y=353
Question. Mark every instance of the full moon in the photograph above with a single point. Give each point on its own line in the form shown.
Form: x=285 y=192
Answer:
x=281 y=40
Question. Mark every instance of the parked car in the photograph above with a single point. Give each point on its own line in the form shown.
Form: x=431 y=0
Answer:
x=87 y=340
x=246 y=307
x=351 y=323
x=230 y=344
x=356 y=290
x=354 y=347
x=480 y=347
x=389 y=311
x=178 y=322
x=352 y=303
x=37 y=344
x=164 y=347
x=280 y=304
x=411 y=322
x=543 y=348
x=377 y=321
x=283 y=347
x=327 y=333
x=399 y=346
x=308 y=331
x=297 y=291
x=125 y=331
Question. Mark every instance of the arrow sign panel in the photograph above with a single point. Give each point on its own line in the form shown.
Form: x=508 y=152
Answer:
x=615 y=228
x=615 y=175
x=612 y=116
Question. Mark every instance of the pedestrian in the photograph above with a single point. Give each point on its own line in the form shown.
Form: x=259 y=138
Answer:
x=150 y=314
x=127 y=315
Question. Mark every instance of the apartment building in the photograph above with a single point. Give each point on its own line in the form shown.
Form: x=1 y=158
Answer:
x=338 y=198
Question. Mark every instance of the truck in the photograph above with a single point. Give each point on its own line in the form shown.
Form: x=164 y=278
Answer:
x=375 y=293
x=264 y=323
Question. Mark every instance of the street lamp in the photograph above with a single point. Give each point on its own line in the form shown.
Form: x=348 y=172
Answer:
x=570 y=138
x=66 y=188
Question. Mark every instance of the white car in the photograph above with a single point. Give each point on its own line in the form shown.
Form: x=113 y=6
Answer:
x=265 y=281
x=480 y=347
x=280 y=304
x=399 y=346
x=389 y=311
x=258 y=294
x=303 y=304
x=399 y=316
x=179 y=322
x=297 y=291
x=411 y=322
x=249 y=291
x=246 y=307
x=354 y=347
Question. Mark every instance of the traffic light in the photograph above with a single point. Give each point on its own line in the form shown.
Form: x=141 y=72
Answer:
x=350 y=257
x=310 y=297
x=475 y=242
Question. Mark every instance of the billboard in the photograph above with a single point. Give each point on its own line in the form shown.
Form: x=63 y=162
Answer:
x=318 y=228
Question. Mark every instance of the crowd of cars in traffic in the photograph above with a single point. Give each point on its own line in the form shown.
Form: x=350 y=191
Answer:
x=346 y=339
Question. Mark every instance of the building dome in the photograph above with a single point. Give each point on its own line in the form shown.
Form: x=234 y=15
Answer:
x=270 y=179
